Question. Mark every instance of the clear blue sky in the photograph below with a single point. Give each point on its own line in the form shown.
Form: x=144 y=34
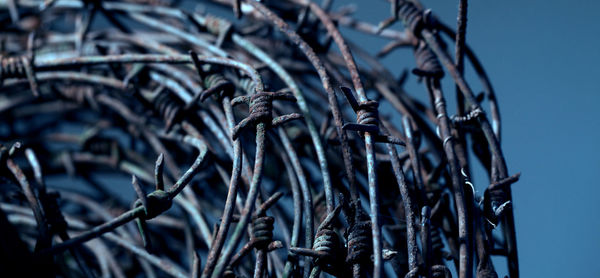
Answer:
x=543 y=59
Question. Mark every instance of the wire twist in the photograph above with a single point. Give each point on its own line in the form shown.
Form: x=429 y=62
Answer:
x=368 y=113
x=153 y=204
x=326 y=247
x=14 y=66
x=359 y=240
x=262 y=231
x=18 y=67
x=168 y=107
x=367 y=119
x=246 y=85
x=327 y=244
x=411 y=16
x=261 y=107
x=261 y=237
x=157 y=202
x=217 y=84
x=428 y=64
x=261 y=110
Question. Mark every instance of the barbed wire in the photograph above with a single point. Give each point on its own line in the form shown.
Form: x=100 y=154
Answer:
x=100 y=103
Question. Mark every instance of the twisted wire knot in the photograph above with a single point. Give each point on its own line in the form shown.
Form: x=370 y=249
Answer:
x=368 y=113
x=157 y=202
x=262 y=231
x=359 y=241
x=216 y=83
x=14 y=66
x=327 y=244
x=358 y=235
x=168 y=107
x=411 y=16
x=261 y=107
x=367 y=119
x=246 y=85
x=18 y=67
x=428 y=64
x=261 y=110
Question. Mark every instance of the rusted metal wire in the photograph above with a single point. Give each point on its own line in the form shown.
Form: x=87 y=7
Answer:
x=105 y=93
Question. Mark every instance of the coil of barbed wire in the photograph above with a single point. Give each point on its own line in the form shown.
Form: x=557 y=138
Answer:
x=168 y=138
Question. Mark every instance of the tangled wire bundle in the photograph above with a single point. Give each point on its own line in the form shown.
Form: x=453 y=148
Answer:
x=244 y=157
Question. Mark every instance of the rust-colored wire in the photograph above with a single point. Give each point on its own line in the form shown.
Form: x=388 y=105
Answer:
x=100 y=102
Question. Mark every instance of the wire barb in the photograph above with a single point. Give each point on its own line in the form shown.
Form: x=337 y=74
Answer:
x=367 y=119
x=261 y=110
